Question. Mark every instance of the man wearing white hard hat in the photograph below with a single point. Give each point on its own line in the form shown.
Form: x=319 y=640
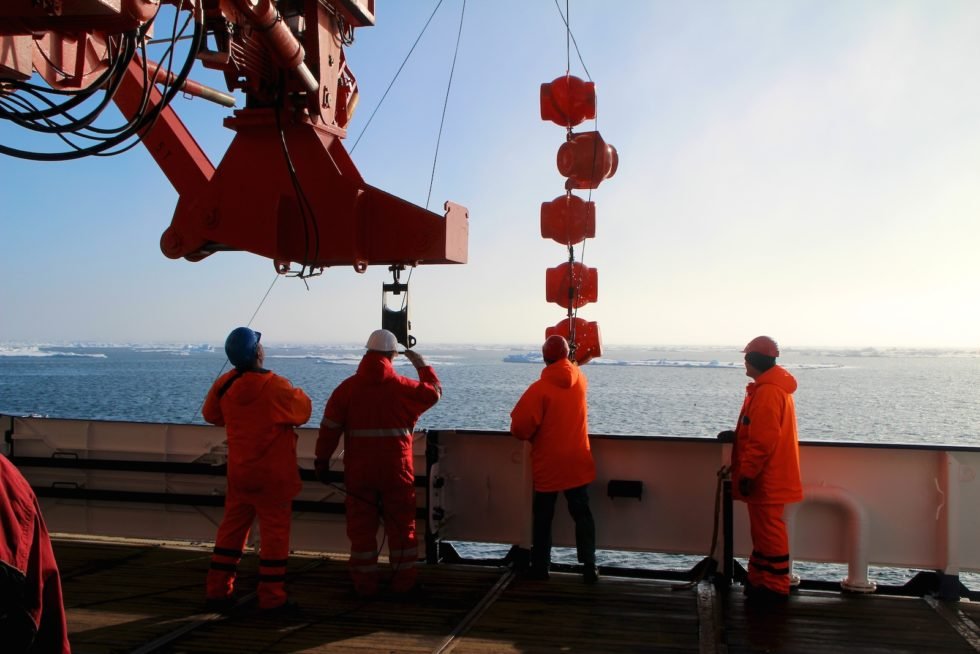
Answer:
x=375 y=410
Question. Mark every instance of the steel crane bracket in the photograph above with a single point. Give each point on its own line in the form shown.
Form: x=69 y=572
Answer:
x=310 y=206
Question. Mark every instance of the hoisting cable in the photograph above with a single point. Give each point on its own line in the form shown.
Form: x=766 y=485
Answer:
x=571 y=37
x=445 y=103
x=248 y=324
x=393 y=79
x=575 y=289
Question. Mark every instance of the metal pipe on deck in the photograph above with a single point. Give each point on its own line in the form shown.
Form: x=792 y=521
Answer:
x=857 y=532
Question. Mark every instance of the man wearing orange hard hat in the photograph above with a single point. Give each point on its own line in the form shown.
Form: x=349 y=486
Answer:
x=765 y=468
x=553 y=415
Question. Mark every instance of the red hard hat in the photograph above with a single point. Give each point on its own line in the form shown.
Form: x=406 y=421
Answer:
x=762 y=345
x=555 y=348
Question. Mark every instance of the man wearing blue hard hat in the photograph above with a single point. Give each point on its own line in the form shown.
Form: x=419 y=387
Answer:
x=259 y=410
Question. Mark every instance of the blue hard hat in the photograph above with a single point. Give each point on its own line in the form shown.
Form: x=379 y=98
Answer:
x=242 y=346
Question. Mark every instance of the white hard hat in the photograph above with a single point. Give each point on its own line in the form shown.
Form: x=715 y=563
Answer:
x=382 y=340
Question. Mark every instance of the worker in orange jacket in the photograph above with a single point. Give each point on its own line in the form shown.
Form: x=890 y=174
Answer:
x=259 y=410
x=553 y=415
x=375 y=410
x=32 y=613
x=766 y=467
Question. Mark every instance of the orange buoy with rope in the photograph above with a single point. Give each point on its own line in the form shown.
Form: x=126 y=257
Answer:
x=585 y=160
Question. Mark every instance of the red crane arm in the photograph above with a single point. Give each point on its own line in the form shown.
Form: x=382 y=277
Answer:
x=286 y=188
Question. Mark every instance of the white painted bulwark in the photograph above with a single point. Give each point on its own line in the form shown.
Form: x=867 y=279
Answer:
x=904 y=506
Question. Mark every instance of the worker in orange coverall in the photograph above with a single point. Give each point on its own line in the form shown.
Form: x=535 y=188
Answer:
x=376 y=410
x=32 y=614
x=766 y=468
x=553 y=415
x=258 y=409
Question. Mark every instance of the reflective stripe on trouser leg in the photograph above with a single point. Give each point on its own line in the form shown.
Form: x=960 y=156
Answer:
x=362 y=528
x=769 y=563
x=228 y=546
x=399 y=515
x=274 y=521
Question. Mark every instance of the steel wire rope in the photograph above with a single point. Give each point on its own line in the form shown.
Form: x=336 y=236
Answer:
x=395 y=78
x=248 y=324
x=445 y=103
x=570 y=39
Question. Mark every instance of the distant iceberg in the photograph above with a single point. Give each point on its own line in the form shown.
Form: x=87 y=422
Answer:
x=36 y=351
x=533 y=357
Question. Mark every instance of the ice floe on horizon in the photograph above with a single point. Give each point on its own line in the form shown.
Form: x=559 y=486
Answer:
x=533 y=357
x=41 y=351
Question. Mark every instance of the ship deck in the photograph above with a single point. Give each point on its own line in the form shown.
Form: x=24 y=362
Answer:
x=141 y=597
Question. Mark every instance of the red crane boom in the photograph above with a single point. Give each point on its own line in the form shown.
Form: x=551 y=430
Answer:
x=286 y=188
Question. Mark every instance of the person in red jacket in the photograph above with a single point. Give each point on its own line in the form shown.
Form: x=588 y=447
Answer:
x=258 y=409
x=766 y=467
x=553 y=415
x=32 y=613
x=375 y=411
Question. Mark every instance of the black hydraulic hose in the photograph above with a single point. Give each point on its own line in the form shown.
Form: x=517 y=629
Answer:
x=77 y=124
x=77 y=96
x=141 y=123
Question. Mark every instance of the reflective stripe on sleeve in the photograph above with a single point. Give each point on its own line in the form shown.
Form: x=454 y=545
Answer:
x=330 y=424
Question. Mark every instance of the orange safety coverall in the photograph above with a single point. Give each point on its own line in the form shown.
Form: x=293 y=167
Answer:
x=767 y=451
x=32 y=613
x=258 y=410
x=376 y=410
x=561 y=456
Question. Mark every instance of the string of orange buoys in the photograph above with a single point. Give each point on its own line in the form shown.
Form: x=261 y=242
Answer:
x=584 y=159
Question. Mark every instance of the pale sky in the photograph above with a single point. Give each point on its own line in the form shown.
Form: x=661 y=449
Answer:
x=808 y=170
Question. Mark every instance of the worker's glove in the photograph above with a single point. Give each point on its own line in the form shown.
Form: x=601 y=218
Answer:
x=745 y=485
x=727 y=436
x=415 y=358
x=322 y=470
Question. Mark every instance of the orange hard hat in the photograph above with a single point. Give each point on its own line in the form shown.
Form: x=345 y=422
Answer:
x=763 y=345
x=555 y=348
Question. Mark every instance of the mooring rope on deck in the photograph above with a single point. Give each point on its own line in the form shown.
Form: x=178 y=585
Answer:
x=449 y=642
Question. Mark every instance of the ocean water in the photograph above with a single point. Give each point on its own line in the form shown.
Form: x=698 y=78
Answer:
x=867 y=395
x=864 y=395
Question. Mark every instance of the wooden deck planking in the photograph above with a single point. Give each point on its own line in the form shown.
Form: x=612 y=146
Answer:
x=120 y=597
x=563 y=614
x=830 y=623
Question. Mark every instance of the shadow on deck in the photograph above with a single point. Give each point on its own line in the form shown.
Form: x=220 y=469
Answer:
x=137 y=597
